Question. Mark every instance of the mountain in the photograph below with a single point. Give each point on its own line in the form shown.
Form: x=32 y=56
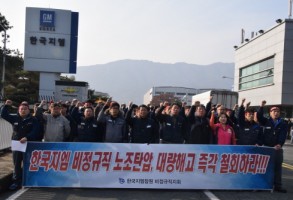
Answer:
x=129 y=80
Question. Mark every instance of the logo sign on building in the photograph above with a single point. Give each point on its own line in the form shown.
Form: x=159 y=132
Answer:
x=47 y=20
x=50 y=40
x=68 y=90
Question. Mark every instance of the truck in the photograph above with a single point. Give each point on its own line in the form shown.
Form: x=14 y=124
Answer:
x=226 y=98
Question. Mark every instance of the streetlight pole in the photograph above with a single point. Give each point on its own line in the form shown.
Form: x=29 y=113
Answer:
x=4 y=62
x=227 y=77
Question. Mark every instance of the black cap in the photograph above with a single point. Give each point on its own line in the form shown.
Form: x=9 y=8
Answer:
x=250 y=110
x=55 y=105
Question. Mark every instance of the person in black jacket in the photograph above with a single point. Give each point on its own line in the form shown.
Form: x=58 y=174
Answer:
x=248 y=131
x=173 y=127
x=25 y=128
x=200 y=131
x=275 y=132
x=143 y=128
x=88 y=128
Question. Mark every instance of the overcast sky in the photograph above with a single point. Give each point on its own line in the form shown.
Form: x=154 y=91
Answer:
x=167 y=31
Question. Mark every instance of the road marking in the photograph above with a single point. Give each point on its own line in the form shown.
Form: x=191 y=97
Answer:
x=17 y=194
x=210 y=195
x=287 y=166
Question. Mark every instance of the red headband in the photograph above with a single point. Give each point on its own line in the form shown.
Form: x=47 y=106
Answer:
x=274 y=108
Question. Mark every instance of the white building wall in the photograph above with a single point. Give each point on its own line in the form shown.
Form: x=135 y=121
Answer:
x=271 y=43
x=47 y=85
x=148 y=96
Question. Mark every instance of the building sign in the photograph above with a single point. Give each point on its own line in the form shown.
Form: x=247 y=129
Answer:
x=50 y=40
x=47 y=20
x=165 y=166
x=68 y=90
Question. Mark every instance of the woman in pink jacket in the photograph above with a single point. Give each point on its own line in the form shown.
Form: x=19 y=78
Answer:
x=223 y=133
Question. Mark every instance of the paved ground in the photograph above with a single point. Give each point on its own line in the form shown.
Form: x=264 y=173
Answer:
x=6 y=169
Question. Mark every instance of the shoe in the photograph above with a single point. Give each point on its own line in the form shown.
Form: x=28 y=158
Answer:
x=281 y=190
x=14 y=186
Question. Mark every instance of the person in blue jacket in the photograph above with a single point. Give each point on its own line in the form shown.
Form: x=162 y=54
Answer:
x=248 y=131
x=115 y=125
x=25 y=128
x=173 y=126
x=143 y=128
x=275 y=132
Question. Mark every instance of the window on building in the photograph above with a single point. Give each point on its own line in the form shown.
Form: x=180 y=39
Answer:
x=180 y=94
x=256 y=75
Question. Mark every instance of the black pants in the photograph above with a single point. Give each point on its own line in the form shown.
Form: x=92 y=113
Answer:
x=278 y=168
x=17 y=161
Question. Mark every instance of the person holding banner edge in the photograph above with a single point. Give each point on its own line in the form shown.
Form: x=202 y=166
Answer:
x=275 y=132
x=25 y=128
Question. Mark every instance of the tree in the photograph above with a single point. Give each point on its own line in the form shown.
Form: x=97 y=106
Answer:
x=66 y=78
x=4 y=25
x=20 y=85
x=99 y=97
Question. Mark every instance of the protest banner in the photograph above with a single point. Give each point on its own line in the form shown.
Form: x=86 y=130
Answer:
x=160 y=166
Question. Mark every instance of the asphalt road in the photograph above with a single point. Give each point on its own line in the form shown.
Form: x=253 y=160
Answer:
x=139 y=194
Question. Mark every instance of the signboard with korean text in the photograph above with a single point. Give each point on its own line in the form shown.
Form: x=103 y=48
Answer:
x=164 y=166
x=50 y=40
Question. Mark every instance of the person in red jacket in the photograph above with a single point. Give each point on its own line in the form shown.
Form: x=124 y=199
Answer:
x=223 y=133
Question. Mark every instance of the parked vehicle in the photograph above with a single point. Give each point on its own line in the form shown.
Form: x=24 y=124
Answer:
x=224 y=97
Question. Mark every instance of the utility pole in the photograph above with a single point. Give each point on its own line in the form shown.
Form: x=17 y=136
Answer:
x=290 y=9
x=4 y=62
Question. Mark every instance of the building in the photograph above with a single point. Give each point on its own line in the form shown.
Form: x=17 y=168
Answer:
x=185 y=94
x=264 y=67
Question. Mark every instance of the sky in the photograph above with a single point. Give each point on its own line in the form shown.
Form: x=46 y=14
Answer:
x=167 y=31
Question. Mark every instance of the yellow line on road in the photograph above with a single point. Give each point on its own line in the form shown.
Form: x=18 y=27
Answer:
x=285 y=165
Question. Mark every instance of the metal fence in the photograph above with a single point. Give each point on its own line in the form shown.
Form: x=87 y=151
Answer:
x=5 y=134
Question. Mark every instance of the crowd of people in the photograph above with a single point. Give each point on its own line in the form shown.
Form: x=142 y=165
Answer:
x=169 y=123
